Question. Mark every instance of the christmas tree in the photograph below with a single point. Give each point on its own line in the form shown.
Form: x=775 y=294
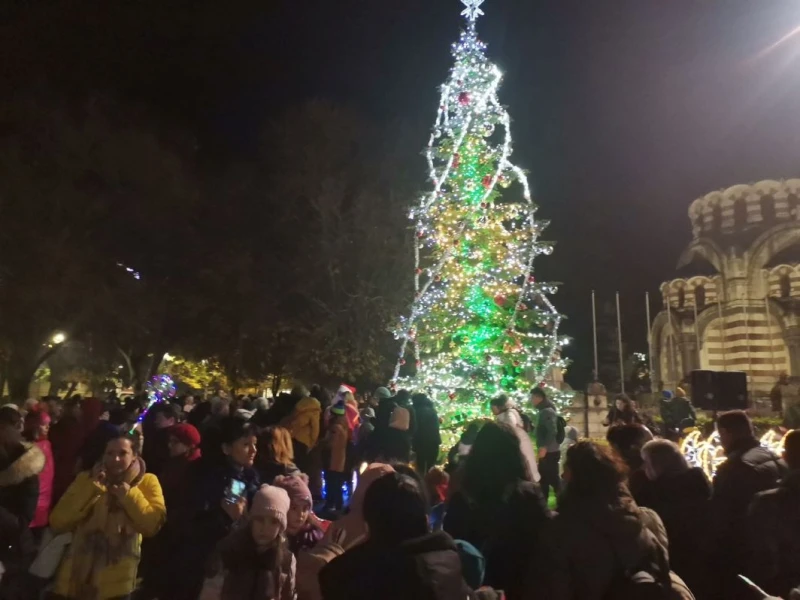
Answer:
x=480 y=324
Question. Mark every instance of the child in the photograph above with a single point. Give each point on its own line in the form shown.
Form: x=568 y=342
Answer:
x=256 y=560
x=302 y=531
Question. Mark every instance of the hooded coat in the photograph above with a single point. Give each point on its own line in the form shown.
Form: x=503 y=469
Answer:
x=425 y=568
x=19 y=496
x=683 y=502
x=590 y=542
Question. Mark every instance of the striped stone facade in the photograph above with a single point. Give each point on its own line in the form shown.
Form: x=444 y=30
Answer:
x=745 y=316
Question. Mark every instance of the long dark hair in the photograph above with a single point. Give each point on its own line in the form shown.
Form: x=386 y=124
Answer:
x=494 y=463
x=594 y=472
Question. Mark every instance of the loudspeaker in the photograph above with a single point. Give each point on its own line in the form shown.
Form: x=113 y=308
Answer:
x=719 y=390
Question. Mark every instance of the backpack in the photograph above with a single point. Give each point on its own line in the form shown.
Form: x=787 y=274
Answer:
x=561 y=429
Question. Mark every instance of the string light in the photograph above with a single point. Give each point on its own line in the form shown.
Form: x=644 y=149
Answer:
x=480 y=322
x=708 y=453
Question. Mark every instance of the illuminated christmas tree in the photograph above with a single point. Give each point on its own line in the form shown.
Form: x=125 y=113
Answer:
x=481 y=324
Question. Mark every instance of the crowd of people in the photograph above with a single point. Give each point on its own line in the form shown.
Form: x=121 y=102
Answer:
x=313 y=497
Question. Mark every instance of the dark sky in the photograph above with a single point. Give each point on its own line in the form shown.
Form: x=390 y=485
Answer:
x=624 y=110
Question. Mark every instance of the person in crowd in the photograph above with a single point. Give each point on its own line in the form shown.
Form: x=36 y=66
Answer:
x=20 y=466
x=303 y=425
x=598 y=535
x=623 y=412
x=107 y=509
x=681 y=496
x=403 y=400
x=427 y=438
x=774 y=528
x=92 y=410
x=315 y=458
x=66 y=439
x=365 y=449
x=396 y=441
x=547 y=442
x=255 y=560
x=437 y=483
x=400 y=558
x=226 y=484
x=178 y=479
x=498 y=508
x=677 y=413
x=53 y=406
x=302 y=531
x=386 y=405
x=162 y=416
x=37 y=426
x=276 y=454
x=748 y=470
x=505 y=411
x=10 y=415
x=627 y=441
x=336 y=474
x=461 y=450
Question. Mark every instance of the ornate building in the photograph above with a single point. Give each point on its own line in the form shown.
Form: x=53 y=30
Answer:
x=736 y=303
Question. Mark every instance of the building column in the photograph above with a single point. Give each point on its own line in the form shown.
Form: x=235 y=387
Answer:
x=687 y=347
x=792 y=336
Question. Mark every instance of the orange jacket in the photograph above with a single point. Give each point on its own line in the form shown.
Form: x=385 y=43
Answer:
x=338 y=437
x=303 y=423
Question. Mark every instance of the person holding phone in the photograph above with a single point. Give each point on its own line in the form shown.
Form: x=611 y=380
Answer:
x=226 y=487
x=108 y=510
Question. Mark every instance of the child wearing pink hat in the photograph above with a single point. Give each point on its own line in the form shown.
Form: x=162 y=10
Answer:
x=255 y=560
x=302 y=527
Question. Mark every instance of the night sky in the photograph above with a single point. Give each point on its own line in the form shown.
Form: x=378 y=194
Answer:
x=624 y=110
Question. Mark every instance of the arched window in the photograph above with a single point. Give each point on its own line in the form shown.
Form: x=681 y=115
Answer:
x=793 y=202
x=767 y=209
x=716 y=217
x=700 y=296
x=681 y=297
x=786 y=285
x=739 y=213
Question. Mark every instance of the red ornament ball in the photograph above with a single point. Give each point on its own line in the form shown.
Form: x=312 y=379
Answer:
x=420 y=234
x=487 y=181
x=402 y=361
x=419 y=271
x=531 y=279
x=500 y=300
x=523 y=306
x=456 y=160
x=464 y=98
x=451 y=395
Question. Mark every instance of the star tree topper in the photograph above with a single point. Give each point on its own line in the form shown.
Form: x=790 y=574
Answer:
x=473 y=10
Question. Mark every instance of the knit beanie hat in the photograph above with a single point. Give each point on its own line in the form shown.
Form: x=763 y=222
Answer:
x=296 y=487
x=473 y=563
x=271 y=500
x=338 y=408
x=186 y=434
x=382 y=393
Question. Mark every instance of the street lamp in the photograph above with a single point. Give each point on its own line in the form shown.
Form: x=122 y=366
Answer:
x=59 y=338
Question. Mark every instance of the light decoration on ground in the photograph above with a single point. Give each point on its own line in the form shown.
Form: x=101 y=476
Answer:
x=708 y=454
x=480 y=322
x=158 y=389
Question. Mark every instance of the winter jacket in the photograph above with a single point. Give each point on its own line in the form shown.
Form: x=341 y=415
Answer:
x=511 y=416
x=748 y=470
x=590 y=542
x=156 y=450
x=426 y=436
x=338 y=438
x=19 y=496
x=85 y=510
x=774 y=527
x=506 y=533
x=305 y=539
x=303 y=422
x=547 y=427
x=425 y=568
x=677 y=412
x=248 y=573
x=45 y=485
x=683 y=502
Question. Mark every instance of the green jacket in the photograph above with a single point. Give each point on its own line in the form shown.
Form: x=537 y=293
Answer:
x=675 y=411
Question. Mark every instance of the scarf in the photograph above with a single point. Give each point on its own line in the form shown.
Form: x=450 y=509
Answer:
x=106 y=536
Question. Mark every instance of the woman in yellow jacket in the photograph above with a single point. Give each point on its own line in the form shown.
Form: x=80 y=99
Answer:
x=303 y=424
x=108 y=510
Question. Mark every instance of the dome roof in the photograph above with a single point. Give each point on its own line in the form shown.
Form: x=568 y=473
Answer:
x=745 y=207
